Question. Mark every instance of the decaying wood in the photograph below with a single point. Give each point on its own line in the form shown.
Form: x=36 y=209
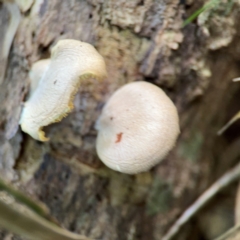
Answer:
x=139 y=40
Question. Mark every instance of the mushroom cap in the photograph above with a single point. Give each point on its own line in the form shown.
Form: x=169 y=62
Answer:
x=72 y=62
x=37 y=71
x=138 y=126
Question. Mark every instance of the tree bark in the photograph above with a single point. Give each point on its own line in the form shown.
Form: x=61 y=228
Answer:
x=139 y=40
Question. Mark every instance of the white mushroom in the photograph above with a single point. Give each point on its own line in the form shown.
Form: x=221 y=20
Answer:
x=37 y=71
x=71 y=62
x=138 y=126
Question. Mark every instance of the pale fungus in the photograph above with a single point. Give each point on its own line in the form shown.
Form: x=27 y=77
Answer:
x=138 y=126
x=71 y=62
x=37 y=71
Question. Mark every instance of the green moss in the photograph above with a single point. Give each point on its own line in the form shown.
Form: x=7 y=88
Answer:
x=159 y=198
x=191 y=148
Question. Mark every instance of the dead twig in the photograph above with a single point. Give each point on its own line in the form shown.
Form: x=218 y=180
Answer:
x=232 y=234
x=224 y=181
x=233 y=120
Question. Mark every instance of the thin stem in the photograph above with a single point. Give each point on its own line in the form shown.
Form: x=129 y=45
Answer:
x=232 y=234
x=20 y=220
x=224 y=181
x=199 y=11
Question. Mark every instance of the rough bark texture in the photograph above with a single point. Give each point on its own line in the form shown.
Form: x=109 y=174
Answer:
x=140 y=40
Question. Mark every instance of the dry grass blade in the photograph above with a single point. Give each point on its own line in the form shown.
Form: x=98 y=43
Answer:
x=232 y=234
x=15 y=18
x=233 y=120
x=237 y=206
x=20 y=220
x=25 y=217
x=36 y=207
x=224 y=181
x=236 y=79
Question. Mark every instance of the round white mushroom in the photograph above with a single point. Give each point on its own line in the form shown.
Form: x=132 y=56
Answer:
x=138 y=126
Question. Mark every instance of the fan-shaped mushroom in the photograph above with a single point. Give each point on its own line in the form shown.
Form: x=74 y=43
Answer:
x=71 y=62
x=37 y=71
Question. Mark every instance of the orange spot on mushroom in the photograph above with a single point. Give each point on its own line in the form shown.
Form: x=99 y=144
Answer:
x=119 y=137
